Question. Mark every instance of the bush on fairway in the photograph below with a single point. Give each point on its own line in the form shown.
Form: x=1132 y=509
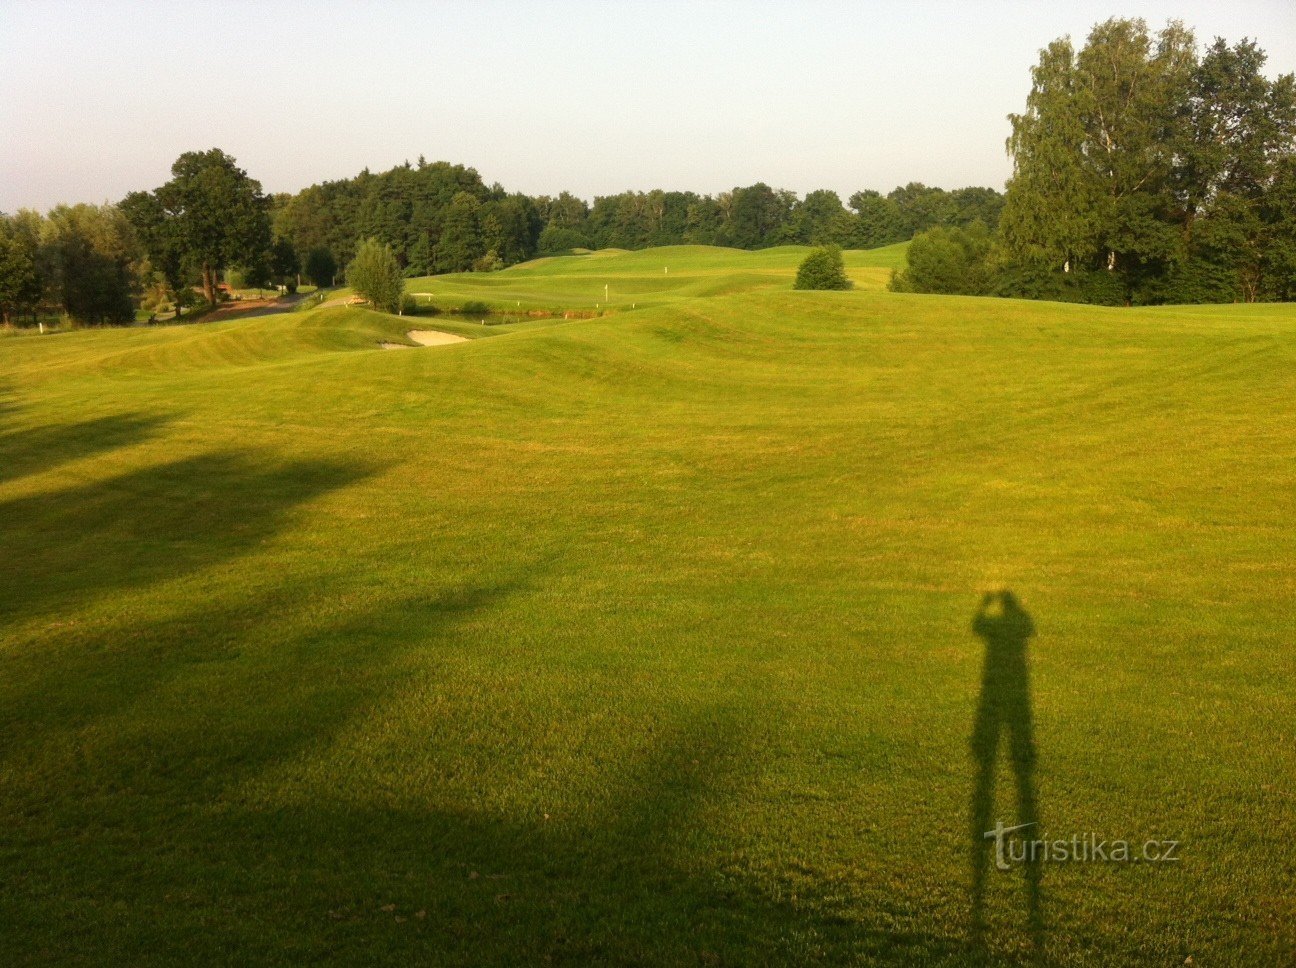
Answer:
x=822 y=269
x=947 y=260
x=375 y=276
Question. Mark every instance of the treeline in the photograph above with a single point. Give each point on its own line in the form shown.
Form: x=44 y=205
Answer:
x=443 y=218
x=96 y=263
x=211 y=224
x=758 y=217
x=1145 y=171
x=82 y=260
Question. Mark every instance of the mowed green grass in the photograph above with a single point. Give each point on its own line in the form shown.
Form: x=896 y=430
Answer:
x=647 y=278
x=644 y=639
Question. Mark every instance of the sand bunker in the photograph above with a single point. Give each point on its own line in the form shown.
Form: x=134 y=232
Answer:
x=425 y=337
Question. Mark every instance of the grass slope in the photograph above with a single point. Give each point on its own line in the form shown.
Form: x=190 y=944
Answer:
x=650 y=277
x=645 y=639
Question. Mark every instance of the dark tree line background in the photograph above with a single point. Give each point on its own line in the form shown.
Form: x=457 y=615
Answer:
x=440 y=217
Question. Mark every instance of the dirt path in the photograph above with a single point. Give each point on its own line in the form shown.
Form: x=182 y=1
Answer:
x=426 y=337
x=247 y=308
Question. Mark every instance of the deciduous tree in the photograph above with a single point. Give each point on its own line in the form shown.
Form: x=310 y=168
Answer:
x=20 y=286
x=320 y=267
x=375 y=275
x=210 y=215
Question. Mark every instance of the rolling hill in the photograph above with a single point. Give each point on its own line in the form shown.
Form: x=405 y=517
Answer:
x=649 y=638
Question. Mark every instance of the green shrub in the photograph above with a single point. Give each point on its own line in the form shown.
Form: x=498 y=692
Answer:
x=490 y=262
x=947 y=260
x=822 y=269
x=556 y=239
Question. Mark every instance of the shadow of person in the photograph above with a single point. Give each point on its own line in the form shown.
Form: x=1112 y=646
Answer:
x=1004 y=706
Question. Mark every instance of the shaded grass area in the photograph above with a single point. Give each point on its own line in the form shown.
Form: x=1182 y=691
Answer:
x=650 y=639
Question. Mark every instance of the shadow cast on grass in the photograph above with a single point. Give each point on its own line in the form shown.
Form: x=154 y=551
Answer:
x=149 y=525
x=122 y=749
x=37 y=449
x=1004 y=706
x=267 y=701
x=146 y=815
x=637 y=879
x=631 y=881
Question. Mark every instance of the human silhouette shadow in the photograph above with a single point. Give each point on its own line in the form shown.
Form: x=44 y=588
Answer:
x=1004 y=706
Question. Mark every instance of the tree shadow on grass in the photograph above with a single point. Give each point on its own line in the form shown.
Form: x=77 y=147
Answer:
x=149 y=525
x=645 y=876
x=159 y=814
x=37 y=449
x=1004 y=706
x=282 y=697
x=8 y=400
x=650 y=874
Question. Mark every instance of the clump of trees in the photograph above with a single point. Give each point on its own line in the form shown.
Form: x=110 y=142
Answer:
x=95 y=263
x=1144 y=171
x=822 y=269
x=82 y=262
x=759 y=216
x=208 y=217
x=436 y=217
x=443 y=218
x=376 y=277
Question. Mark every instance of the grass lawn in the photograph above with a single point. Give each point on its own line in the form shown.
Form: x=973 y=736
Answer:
x=651 y=277
x=649 y=639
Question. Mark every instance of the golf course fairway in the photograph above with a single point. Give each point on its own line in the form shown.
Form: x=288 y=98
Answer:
x=651 y=637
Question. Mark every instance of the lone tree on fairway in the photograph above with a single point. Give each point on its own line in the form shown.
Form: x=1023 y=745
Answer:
x=375 y=275
x=210 y=215
x=822 y=269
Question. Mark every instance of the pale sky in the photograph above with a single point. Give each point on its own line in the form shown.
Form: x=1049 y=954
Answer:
x=97 y=99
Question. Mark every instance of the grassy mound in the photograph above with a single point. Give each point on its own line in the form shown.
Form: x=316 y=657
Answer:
x=643 y=279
